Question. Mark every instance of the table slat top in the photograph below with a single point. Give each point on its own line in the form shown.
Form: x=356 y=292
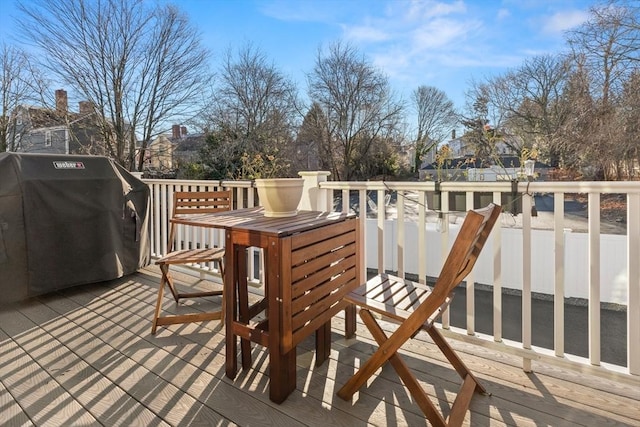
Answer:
x=253 y=220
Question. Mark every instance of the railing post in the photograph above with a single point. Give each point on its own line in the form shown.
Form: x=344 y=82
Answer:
x=497 y=275
x=594 y=277
x=559 y=263
x=633 y=272
x=313 y=197
x=471 y=300
x=526 y=280
x=444 y=248
x=380 y=217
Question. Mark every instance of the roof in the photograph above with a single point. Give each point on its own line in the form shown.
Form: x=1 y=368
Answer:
x=47 y=118
x=189 y=142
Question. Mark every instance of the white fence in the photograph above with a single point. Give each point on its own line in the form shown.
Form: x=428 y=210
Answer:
x=613 y=272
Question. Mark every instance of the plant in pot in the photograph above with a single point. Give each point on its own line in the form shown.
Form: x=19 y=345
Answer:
x=278 y=195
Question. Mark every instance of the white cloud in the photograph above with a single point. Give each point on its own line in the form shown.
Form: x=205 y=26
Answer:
x=417 y=40
x=365 y=34
x=563 y=21
x=420 y=9
x=503 y=14
x=326 y=11
x=394 y=63
x=441 y=33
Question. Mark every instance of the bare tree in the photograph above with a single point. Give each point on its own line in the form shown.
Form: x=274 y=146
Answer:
x=21 y=83
x=358 y=105
x=141 y=66
x=607 y=48
x=630 y=124
x=533 y=102
x=526 y=106
x=483 y=121
x=311 y=141
x=254 y=110
x=573 y=145
x=436 y=119
x=609 y=42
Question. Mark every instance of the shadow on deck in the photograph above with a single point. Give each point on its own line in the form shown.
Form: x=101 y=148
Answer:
x=86 y=356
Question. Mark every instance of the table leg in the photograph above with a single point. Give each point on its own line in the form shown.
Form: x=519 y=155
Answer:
x=282 y=365
x=350 y=321
x=282 y=375
x=231 y=289
x=323 y=343
x=243 y=302
x=282 y=371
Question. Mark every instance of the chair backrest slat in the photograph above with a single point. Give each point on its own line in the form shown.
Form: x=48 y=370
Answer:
x=462 y=257
x=465 y=250
x=198 y=202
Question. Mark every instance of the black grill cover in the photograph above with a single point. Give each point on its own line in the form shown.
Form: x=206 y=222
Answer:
x=68 y=220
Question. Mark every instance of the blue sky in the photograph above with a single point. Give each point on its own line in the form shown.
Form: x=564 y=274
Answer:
x=444 y=44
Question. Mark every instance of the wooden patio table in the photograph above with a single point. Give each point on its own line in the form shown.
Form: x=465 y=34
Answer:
x=311 y=262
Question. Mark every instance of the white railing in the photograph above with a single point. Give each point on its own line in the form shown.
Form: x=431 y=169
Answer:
x=403 y=236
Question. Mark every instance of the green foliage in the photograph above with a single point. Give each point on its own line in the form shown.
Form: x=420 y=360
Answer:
x=262 y=165
x=192 y=171
x=381 y=159
x=221 y=157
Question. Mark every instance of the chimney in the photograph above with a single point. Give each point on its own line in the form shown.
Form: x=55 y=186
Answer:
x=183 y=131
x=85 y=107
x=175 y=131
x=61 y=101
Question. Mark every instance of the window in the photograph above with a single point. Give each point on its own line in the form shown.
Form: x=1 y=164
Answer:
x=47 y=139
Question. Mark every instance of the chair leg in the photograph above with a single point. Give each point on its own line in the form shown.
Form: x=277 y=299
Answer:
x=183 y=318
x=168 y=280
x=384 y=352
x=454 y=359
x=224 y=300
x=156 y=313
x=462 y=402
x=409 y=380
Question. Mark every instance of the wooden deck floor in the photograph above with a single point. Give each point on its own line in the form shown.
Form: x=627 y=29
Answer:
x=86 y=357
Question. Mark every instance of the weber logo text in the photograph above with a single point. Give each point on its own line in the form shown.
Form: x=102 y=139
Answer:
x=68 y=165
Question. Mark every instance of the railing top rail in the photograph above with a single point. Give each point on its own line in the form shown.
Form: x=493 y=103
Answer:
x=487 y=186
x=223 y=182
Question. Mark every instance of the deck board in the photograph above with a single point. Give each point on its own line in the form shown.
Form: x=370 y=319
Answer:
x=86 y=356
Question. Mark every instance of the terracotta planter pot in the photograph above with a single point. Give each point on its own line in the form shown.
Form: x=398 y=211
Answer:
x=280 y=196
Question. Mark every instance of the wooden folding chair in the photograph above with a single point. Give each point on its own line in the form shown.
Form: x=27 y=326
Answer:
x=189 y=203
x=416 y=306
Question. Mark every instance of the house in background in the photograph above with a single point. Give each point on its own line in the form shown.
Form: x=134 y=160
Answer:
x=58 y=131
x=469 y=168
x=506 y=168
x=464 y=166
x=159 y=154
x=166 y=153
x=461 y=148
